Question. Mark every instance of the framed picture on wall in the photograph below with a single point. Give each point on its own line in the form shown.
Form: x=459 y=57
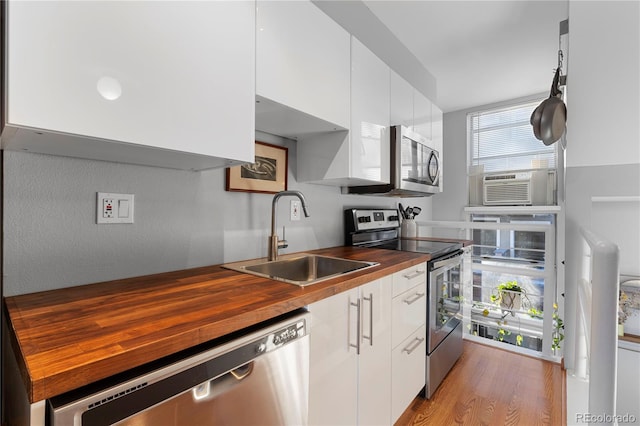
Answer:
x=268 y=174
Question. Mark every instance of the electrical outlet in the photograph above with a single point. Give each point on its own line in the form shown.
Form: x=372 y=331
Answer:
x=107 y=208
x=295 y=210
x=114 y=208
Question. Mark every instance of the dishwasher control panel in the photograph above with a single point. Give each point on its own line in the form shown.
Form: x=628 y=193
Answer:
x=288 y=334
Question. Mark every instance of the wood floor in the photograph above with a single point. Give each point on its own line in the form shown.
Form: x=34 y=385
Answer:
x=489 y=386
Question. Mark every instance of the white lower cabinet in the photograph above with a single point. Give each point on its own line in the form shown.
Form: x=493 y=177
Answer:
x=350 y=357
x=408 y=325
x=408 y=371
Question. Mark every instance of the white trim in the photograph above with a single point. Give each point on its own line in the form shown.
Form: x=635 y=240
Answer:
x=512 y=348
x=514 y=209
x=618 y=199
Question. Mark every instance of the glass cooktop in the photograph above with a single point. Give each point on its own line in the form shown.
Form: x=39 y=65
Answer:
x=435 y=248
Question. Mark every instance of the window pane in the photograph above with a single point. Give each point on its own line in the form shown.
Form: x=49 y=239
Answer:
x=513 y=255
x=503 y=140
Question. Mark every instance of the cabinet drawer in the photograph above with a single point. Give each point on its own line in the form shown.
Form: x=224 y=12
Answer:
x=409 y=312
x=408 y=278
x=407 y=371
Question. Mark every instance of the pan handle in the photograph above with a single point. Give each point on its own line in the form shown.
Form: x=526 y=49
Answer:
x=555 y=90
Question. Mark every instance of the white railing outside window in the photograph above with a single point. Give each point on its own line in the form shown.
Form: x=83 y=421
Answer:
x=596 y=352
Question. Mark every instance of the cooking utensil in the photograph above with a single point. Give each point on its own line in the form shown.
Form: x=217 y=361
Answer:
x=416 y=211
x=553 y=120
x=409 y=213
x=549 y=118
x=535 y=120
x=401 y=209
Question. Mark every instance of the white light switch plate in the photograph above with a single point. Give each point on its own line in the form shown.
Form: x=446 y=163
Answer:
x=114 y=208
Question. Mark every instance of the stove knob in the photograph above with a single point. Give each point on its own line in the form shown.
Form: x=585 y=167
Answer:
x=261 y=348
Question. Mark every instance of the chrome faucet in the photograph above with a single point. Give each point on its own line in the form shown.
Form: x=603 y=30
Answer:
x=274 y=242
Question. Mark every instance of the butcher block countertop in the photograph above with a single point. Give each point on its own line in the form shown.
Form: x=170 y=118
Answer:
x=71 y=337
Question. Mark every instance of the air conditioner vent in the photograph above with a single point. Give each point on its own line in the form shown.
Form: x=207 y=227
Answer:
x=500 y=177
x=507 y=189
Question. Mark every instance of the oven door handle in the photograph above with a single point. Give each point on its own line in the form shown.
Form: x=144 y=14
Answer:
x=446 y=262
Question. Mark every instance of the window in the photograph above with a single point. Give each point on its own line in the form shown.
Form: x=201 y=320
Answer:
x=502 y=139
x=516 y=249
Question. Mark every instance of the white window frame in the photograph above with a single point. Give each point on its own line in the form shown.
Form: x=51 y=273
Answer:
x=474 y=169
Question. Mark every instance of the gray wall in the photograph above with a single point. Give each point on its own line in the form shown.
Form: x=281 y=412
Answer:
x=603 y=153
x=183 y=219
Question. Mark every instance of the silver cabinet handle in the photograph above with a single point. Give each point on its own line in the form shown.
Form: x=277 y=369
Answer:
x=416 y=342
x=414 y=275
x=414 y=298
x=357 y=345
x=370 y=336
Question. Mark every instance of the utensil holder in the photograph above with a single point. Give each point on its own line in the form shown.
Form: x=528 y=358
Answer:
x=408 y=229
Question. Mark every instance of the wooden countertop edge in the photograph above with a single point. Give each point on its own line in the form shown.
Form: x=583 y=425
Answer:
x=630 y=338
x=44 y=383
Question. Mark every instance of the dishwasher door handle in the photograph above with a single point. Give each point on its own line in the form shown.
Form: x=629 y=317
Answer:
x=221 y=384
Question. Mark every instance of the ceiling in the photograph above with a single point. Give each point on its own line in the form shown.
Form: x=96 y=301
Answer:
x=480 y=52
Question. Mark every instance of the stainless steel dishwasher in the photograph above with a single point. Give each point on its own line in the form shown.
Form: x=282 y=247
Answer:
x=256 y=377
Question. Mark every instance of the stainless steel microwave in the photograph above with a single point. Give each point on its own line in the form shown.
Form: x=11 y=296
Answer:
x=415 y=167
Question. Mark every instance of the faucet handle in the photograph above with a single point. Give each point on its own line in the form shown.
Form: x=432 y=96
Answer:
x=283 y=242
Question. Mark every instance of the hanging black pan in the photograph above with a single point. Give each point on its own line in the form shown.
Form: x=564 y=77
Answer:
x=550 y=117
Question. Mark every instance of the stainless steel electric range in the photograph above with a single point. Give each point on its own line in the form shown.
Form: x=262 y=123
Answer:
x=380 y=228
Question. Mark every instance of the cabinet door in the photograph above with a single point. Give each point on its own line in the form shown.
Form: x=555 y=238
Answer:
x=409 y=313
x=401 y=112
x=142 y=73
x=409 y=278
x=374 y=362
x=333 y=368
x=302 y=60
x=408 y=368
x=421 y=115
x=369 y=115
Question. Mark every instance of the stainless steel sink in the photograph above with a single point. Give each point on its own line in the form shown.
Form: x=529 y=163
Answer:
x=300 y=269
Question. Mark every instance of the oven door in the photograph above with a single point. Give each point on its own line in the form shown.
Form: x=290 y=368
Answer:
x=445 y=290
x=419 y=165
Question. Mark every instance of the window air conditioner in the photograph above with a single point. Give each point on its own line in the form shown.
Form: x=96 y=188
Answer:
x=507 y=189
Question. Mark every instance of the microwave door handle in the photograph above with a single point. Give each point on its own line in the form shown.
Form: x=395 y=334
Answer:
x=433 y=157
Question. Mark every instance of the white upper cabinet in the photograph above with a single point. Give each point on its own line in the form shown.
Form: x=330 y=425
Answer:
x=302 y=70
x=410 y=108
x=401 y=101
x=110 y=80
x=370 y=103
x=360 y=156
x=422 y=115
